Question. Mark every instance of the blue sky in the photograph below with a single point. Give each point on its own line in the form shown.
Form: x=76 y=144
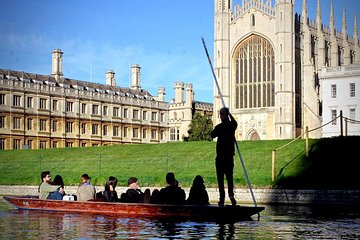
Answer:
x=163 y=36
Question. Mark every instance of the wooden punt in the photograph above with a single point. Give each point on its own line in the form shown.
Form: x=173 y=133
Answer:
x=139 y=210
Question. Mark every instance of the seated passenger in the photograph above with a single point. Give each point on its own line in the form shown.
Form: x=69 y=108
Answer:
x=172 y=194
x=134 y=193
x=109 y=194
x=58 y=181
x=155 y=197
x=85 y=191
x=146 y=196
x=198 y=194
x=99 y=195
x=48 y=191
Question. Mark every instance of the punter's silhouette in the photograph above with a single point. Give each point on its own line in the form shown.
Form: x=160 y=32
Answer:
x=225 y=151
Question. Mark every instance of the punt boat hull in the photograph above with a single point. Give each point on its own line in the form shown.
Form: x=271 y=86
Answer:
x=139 y=210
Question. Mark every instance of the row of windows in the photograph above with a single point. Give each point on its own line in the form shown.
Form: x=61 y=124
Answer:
x=69 y=127
x=327 y=52
x=29 y=144
x=176 y=117
x=95 y=108
x=334 y=115
x=351 y=88
x=17 y=143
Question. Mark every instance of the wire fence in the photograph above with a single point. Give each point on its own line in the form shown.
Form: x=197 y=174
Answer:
x=19 y=169
x=148 y=163
x=23 y=167
x=297 y=155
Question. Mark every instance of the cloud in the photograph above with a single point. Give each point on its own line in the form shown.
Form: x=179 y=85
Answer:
x=89 y=59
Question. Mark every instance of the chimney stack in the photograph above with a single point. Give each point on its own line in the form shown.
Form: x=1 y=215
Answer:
x=110 y=78
x=161 y=94
x=57 y=64
x=179 y=92
x=135 y=77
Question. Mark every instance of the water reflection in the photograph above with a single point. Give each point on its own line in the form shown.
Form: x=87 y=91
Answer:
x=284 y=222
x=226 y=231
x=299 y=222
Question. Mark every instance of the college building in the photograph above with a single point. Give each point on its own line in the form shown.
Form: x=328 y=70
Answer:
x=268 y=59
x=279 y=72
x=340 y=94
x=52 y=111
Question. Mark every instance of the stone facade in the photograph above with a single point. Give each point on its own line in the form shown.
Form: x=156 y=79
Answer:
x=181 y=110
x=341 y=92
x=267 y=61
x=52 y=111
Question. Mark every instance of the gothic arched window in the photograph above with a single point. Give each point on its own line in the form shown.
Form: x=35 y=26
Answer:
x=254 y=73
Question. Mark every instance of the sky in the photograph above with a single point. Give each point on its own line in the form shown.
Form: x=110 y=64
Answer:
x=162 y=36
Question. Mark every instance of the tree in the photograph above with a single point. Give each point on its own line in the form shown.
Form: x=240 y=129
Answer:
x=200 y=128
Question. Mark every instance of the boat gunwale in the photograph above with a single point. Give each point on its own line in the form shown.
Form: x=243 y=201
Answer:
x=209 y=212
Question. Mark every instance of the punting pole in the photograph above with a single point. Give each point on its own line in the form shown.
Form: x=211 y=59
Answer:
x=223 y=103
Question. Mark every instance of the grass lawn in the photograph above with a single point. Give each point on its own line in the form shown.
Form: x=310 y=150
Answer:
x=150 y=163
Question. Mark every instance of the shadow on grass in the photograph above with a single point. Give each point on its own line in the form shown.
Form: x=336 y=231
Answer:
x=333 y=163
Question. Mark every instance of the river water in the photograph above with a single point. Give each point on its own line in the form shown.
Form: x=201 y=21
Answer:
x=276 y=222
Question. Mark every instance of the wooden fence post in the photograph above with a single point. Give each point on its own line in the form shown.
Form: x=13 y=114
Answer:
x=346 y=126
x=341 y=123
x=273 y=165
x=307 y=141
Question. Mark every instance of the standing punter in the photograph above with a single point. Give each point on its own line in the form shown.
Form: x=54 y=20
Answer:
x=225 y=151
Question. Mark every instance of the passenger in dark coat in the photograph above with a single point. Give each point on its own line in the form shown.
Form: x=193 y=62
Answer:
x=172 y=194
x=109 y=194
x=225 y=151
x=155 y=197
x=134 y=193
x=198 y=194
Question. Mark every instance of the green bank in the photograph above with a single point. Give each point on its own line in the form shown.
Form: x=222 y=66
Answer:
x=332 y=163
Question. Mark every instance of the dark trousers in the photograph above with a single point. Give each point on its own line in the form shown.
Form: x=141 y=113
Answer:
x=226 y=169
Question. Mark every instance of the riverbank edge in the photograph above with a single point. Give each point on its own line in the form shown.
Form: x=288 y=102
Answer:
x=243 y=196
